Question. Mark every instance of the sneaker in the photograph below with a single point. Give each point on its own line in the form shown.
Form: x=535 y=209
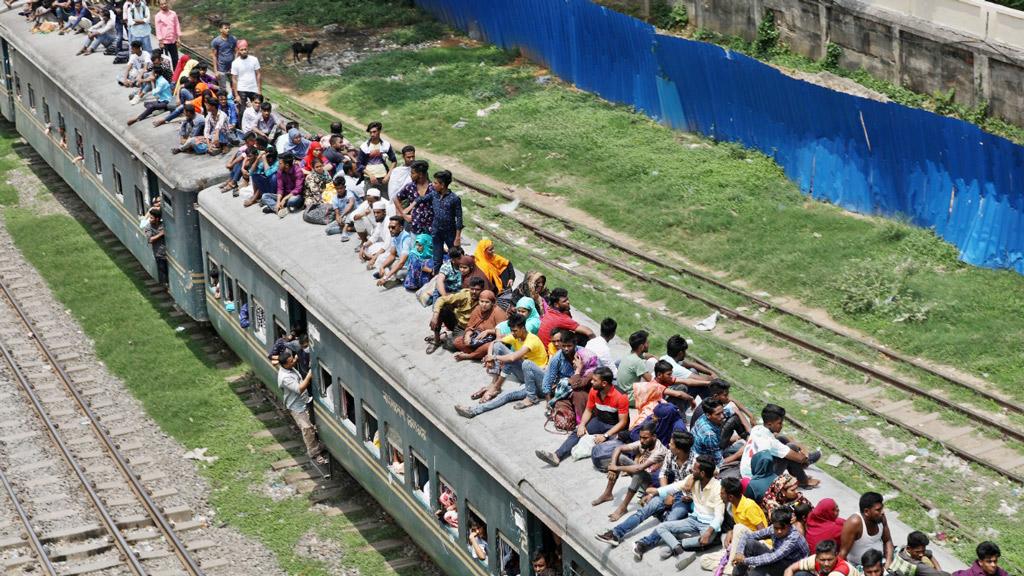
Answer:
x=346 y=238
x=463 y=411
x=813 y=457
x=268 y=210
x=638 y=551
x=548 y=457
x=685 y=561
x=609 y=537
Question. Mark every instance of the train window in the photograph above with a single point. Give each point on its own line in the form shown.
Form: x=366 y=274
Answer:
x=62 y=131
x=229 y=292
x=348 y=409
x=476 y=536
x=243 y=307
x=31 y=97
x=212 y=276
x=371 y=432
x=140 y=202
x=325 y=386
x=46 y=113
x=420 y=477
x=259 y=321
x=97 y=161
x=550 y=549
x=576 y=570
x=508 y=557
x=279 y=330
x=395 y=451
x=80 y=144
x=447 y=506
x=118 y=184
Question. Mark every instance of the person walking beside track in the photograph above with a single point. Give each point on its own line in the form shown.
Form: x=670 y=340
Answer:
x=296 y=398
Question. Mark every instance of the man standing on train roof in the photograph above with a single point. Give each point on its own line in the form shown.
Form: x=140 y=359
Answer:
x=391 y=265
x=136 y=16
x=788 y=456
x=446 y=229
x=295 y=388
x=559 y=315
x=246 y=76
x=155 y=236
x=374 y=155
x=168 y=30
x=452 y=311
x=606 y=415
x=223 y=48
x=868 y=530
x=419 y=218
x=787 y=546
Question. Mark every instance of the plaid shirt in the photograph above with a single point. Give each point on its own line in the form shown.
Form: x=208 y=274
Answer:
x=787 y=550
x=706 y=439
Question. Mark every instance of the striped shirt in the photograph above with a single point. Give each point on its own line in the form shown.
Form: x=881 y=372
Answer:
x=608 y=408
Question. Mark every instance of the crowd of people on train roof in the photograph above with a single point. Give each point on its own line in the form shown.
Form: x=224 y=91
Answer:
x=720 y=480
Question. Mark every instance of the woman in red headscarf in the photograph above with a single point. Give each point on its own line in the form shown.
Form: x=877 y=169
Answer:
x=824 y=523
x=315 y=151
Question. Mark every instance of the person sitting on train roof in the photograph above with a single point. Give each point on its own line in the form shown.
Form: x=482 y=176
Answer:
x=391 y=265
x=599 y=344
x=783 y=492
x=688 y=373
x=353 y=181
x=251 y=114
x=867 y=530
x=765 y=437
x=374 y=154
x=379 y=237
x=641 y=461
x=743 y=515
x=400 y=173
x=334 y=151
x=289 y=187
x=800 y=512
x=205 y=77
x=266 y=125
x=705 y=520
x=824 y=562
x=674 y=506
x=533 y=285
x=559 y=315
x=449 y=277
x=871 y=563
x=76 y=16
x=481 y=328
x=519 y=354
x=230 y=111
x=99 y=34
x=297 y=144
x=496 y=268
x=650 y=395
x=915 y=559
x=418 y=217
x=707 y=434
x=525 y=307
x=360 y=220
x=824 y=523
x=187 y=88
x=263 y=176
x=737 y=417
x=446 y=228
x=419 y=269
x=452 y=312
x=190 y=131
x=759 y=559
x=633 y=367
x=235 y=164
x=317 y=180
x=606 y=414
x=213 y=137
x=139 y=62
x=161 y=95
x=344 y=202
x=987 y=564
x=337 y=129
x=148 y=79
x=283 y=141
x=568 y=372
x=295 y=388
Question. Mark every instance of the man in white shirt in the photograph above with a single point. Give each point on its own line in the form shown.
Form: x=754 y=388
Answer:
x=246 y=77
x=400 y=174
x=296 y=398
x=599 y=345
x=139 y=62
x=787 y=457
x=251 y=114
x=694 y=375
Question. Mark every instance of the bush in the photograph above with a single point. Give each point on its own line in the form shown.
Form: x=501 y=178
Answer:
x=876 y=288
x=833 y=52
x=677 y=18
x=767 y=36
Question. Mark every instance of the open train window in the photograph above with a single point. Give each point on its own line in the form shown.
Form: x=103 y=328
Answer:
x=447 y=510
x=212 y=276
x=62 y=131
x=348 y=409
x=118 y=184
x=508 y=557
x=80 y=144
x=395 y=451
x=279 y=330
x=140 y=201
x=420 y=477
x=229 y=291
x=46 y=113
x=31 y=97
x=326 y=379
x=244 y=318
x=371 y=431
x=259 y=321
x=476 y=535
x=97 y=161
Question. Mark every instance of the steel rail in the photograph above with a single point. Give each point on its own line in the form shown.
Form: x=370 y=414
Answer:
x=805 y=383
x=1007 y=403
x=37 y=546
x=152 y=508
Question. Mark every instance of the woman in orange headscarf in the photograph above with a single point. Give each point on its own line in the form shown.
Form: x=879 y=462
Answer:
x=496 y=268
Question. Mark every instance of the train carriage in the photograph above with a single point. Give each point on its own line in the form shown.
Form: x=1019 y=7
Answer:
x=51 y=96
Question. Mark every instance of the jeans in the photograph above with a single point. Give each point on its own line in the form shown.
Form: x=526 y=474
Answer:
x=732 y=425
x=442 y=238
x=161 y=269
x=270 y=201
x=499 y=401
x=153 y=107
x=106 y=39
x=594 y=426
x=527 y=372
x=666 y=532
x=264 y=184
x=236 y=172
x=147 y=44
x=654 y=506
x=756 y=548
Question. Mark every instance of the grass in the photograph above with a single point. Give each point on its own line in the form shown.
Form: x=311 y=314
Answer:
x=177 y=385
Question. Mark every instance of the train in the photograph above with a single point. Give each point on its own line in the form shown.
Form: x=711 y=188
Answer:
x=383 y=407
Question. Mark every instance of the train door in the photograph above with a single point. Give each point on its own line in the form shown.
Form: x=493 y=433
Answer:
x=7 y=66
x=545 y=548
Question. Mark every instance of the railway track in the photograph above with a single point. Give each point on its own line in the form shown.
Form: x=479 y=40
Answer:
x=85 y=505
x=968 y=441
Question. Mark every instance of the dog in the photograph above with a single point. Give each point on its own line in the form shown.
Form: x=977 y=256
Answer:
x=300 y=48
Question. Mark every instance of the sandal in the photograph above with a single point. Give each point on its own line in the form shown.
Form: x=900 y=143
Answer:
x=525 y=403
x=432 y=347
x=476 y=395
x=491 y=394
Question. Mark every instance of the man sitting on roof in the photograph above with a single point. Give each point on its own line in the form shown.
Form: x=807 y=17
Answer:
x=788 y=456
x=639 y=460
x=344 y=203
x=390 y=265
x=915 y=559
x=599 y=344
x=987 y=564
x=289 y=188
x=568 y=372
x=99 y=34
x=139 y=62
x=759 y=559
x=707 y=434
x=519 y=354
x=559 y=315
x=824 y=562
x=190 y=132
x=452 y=312
x=746 y=516
x=376 y=229
x=633 y=367
x=606 y=415
x=688 y=373
x=868 y=530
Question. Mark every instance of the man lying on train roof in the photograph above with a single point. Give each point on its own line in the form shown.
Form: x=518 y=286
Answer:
x=606 y=414
x=390 y=265
x=641 y=461
x=452 y=312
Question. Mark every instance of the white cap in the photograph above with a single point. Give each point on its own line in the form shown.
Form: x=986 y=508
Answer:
x=380 y=205
x=373 y=192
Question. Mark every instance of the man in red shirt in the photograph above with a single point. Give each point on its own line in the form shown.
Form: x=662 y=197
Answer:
x=825 y=561
x=559 y=316
x=606 y=415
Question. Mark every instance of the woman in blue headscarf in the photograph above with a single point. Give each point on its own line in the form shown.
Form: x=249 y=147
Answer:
x=297 y=145
x=762 y=469
x=421 y=258
x=524 y=307
x=666 y=420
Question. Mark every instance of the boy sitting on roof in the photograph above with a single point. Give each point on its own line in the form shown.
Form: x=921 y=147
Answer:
x=759 y=559
x=987 y=563
x=289 y=187
x=640 y=460
x=139 y=62
x=606 y=415
x=452 y=312
x=824 y=562
x=190 y=132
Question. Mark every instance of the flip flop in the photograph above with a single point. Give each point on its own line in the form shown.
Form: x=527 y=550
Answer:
x=476 y=395
x=526 y=403
x=432 y=347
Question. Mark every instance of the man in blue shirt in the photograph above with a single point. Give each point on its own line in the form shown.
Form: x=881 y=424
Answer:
x=224 y=47
x=391 y=264
x=447 y=227
x=162 y=94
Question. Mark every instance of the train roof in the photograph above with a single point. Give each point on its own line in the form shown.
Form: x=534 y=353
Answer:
x=93 y=81
x=388 y=326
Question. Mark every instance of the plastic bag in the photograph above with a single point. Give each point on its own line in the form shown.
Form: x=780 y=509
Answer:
x=583 y=449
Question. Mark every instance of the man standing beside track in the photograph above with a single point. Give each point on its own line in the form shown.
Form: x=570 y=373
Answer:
x=296 y=398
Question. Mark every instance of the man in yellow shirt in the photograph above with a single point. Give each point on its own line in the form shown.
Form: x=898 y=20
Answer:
x=452 y=311
x=520 y=354
x=746 y=514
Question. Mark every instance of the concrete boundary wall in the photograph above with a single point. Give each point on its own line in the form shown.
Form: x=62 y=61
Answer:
x=973 y=47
